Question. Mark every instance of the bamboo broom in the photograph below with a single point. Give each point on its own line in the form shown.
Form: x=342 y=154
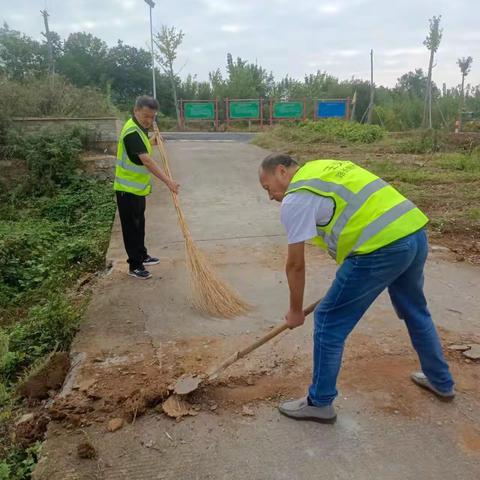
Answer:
x=209 y=293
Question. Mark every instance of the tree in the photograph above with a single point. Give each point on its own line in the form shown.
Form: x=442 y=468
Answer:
x=465 y=65
x=191 y=88
x=432 y=42
x=167 y=42
x=247 y=80
x=128 y=70
x=84 y=60
x=20 y=56
x=414 y=84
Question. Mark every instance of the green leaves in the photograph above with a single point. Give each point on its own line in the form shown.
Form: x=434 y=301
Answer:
x=60 y=238
x=20 y=463
x=329 y=130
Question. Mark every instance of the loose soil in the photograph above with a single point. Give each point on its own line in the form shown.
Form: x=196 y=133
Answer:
x=377 y=372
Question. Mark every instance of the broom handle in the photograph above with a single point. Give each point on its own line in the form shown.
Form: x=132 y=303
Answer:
x=166 y=167
x=258 y=343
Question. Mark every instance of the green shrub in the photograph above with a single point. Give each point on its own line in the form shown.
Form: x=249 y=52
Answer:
x=431 y=141
x=166 y=124
x=419 y=142
x=19 y=464
x=37 y=97
x=56 y=239
x=4 y=471
x=49 y=326
x=462 y=162
x=328 y=130
x=334 y=129
x=52 y=158
x=23 y=263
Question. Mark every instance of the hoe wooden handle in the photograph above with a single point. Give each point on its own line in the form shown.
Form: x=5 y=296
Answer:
x=258 y=343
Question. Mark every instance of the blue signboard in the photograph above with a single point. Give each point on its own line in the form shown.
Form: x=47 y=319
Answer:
x=331 y=108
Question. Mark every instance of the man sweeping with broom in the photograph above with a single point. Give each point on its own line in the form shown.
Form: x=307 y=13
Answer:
x=377 y=237
x=133 y=172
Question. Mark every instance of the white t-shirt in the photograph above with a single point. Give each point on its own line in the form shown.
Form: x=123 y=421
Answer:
x=302 y=211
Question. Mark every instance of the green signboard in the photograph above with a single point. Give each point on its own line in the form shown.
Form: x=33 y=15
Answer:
x=247 y=110
x=288 y=110
x=199 y=111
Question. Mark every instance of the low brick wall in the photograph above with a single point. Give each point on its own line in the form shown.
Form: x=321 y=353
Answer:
x=106 y=129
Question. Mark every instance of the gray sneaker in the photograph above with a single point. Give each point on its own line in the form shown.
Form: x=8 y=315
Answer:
x=422 y=381
x=301 y=410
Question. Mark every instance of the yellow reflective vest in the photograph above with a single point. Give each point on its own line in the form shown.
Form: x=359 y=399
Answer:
x=130 y=177
x=369 y=213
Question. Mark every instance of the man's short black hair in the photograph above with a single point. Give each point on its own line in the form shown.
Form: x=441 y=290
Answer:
x=146 y=101
x=271 y=162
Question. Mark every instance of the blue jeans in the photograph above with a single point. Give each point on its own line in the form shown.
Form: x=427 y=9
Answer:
x=358 y=282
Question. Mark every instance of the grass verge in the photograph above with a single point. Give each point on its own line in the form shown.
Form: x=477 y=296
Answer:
x=47 y=244
x=445 y=184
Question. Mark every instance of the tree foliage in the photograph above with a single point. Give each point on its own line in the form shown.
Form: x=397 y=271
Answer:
x=432 y=42
x=117 y=74
x=167 y=41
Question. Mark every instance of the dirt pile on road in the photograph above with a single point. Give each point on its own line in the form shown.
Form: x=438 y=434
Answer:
x=122 y=388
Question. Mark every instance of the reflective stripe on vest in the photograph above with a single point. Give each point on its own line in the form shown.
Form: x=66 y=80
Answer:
x=129 y=183
x=354 y=202
x=129 y=166
x=381 y=222
x=360 y=223
x=129 y=176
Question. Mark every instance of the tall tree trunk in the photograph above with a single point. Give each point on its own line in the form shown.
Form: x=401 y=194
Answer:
x=462 y=103
x=372 y=91
x=427 y=110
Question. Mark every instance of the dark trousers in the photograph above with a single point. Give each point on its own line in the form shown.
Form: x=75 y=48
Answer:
x=131 y=209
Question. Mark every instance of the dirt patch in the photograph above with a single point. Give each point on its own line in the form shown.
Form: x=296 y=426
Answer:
x=469 y=438
x=376 y=371
x=30 y=428
x=176 y=407
x=127 y=391
x=236 y=392
x=86 y=450
x=466 y=246
x=128 y=384
x=48 y=377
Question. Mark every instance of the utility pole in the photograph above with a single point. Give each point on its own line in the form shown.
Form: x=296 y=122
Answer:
x=354 y=106
x=372 y=90
x=151 y=4
x=51 y=64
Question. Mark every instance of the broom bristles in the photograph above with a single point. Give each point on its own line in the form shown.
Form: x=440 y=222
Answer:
x=210 y=294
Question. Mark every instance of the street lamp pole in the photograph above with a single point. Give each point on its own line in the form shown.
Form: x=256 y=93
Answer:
x=151 y=4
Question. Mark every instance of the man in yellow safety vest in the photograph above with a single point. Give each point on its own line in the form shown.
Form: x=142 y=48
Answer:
x=133 y=172
x=377 y=237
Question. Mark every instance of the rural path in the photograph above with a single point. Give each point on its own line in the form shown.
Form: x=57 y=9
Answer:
x=241 y=137
x=139 y=336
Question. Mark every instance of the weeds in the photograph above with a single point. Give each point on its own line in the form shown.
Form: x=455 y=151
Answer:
x=54 y=227
x=20 y=463
x=328 y=130
x=439 y=171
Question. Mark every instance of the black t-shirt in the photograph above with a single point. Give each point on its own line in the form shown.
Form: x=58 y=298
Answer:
x=134 y=145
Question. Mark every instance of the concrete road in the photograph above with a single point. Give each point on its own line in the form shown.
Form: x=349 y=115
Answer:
x=241 y=137
x=137 y=334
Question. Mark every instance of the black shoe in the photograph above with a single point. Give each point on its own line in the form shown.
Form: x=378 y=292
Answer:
x=140 y=273
x=151 y=260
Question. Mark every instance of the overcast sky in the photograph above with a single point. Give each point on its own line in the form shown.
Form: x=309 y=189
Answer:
x=285 y=36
